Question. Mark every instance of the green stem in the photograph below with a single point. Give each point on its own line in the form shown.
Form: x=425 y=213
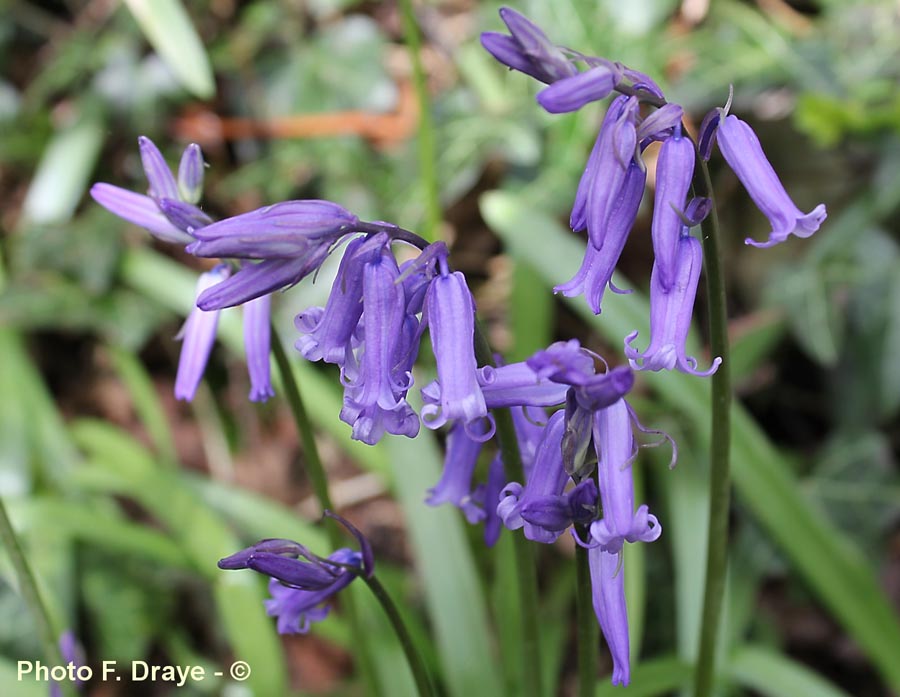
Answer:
x=32 y=596
x=526 y=569
x=587 y=623
x=426 y=140
x=413 y=657
x=719 y=460
x=316 y=472
x=314 y=468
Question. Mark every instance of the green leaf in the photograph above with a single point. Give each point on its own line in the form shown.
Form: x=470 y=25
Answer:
x=829 y=562
x=26 y=686
x=146 y=403
x=773 y=675
x=453 y=593
x=101 y=525
x=118 y=464
x=64 y=171
x=32 y=433
x=169 y=30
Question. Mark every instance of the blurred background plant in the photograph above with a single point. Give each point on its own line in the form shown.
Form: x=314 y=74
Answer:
x=125 y=498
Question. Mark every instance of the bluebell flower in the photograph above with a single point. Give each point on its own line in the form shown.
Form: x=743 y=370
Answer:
x=455 y=486
x=674 y=172
x=670 y=315
x=742 y=151
x=449 y=313
x=557 y=512
x=608 y=597
x=571 y=93
x=516 y=384
x=198 y=336
x=255 y=279
x=327 y=331
x=527 y=49
x=290 y=229
x=598 y=266
x=301 y=583
x=589 y=391
x=616 y=449
x=378 y=377
x=548 y=478
x=257 y=343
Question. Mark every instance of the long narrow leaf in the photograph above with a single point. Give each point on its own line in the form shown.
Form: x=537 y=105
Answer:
x=169 y=30
x=453 y=593
x=774 y=675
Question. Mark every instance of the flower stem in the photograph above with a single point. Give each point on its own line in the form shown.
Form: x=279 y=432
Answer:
x=413 y=657
x=586 y=623
x=427 y=148
x=314 y=468
x=526 y=570
x=719 y=449
x=319 y=480
x=32 y=596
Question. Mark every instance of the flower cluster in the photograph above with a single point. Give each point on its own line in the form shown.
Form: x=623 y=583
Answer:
x=573 y=428
x=611 y=188
x=593 y=430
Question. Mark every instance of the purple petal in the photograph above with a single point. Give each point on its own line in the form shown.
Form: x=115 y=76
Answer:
x=327 y=335
x=508 y=51
x=572 y=93
x=674 y=172
x=548 y=478
x=140 y=210
x=199 y=334
x=184 y=216
x=294 y=572
x=255 y=280
x=517 y=384
x=159 y=176
x=492 y=523
x=288 y=229
x=670 y=316
x=239 y=560
x=190 y=174
x=614 y=440
x=257 y=344
x=450 y=314
x=661 y=122
x=455 y=485
x=608 y=594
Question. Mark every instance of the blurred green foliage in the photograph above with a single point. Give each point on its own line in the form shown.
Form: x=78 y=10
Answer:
x=125 y=536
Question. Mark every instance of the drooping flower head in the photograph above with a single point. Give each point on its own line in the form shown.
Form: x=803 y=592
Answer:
x=301 y=583
x=449 y=313
x=743 y=152
x=527 y=49
x=377 y=375
x=670 y=315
